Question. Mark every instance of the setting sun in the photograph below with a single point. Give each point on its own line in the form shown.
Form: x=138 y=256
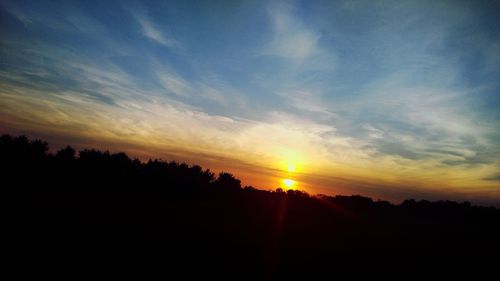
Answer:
x=291 y=167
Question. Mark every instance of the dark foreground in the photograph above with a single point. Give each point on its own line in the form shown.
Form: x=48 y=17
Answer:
x=102 y=211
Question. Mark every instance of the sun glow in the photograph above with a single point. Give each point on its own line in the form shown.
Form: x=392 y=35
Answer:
x=288 y=165
x=290 y=160
x=289 y=183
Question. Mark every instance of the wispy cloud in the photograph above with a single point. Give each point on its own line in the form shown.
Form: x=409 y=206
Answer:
x=152 y=31
x=292 y=39
x=493 y=177
x=306 y=101
x=175 y=84
x=211 y=93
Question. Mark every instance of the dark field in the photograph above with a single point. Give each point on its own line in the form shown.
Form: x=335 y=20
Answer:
x=100 y=210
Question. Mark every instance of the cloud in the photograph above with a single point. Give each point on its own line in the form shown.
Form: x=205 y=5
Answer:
x=23 y=17
x=204 y=89
x=157 y=122
x=150 y=121
x=153 y=31
x=292 y=39
x=493 y=177
x=305 y=101
x=399 y=150
x=211 y=93
x=175 y=84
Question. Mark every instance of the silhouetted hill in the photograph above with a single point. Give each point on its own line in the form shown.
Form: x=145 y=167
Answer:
x=92 y=209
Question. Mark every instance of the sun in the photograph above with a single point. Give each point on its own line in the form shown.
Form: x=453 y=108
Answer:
x=289 y=183
x=291 y=167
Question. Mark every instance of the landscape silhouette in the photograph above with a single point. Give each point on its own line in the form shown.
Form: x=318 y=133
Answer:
x=90 y=209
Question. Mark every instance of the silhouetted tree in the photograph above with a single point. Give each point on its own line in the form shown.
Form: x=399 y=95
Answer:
x=227 y=181
x=66 y=154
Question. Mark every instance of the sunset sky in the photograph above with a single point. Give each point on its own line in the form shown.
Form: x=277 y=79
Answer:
x=388 y=99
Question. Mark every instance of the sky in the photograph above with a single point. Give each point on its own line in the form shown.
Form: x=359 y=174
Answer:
x=387 y=99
